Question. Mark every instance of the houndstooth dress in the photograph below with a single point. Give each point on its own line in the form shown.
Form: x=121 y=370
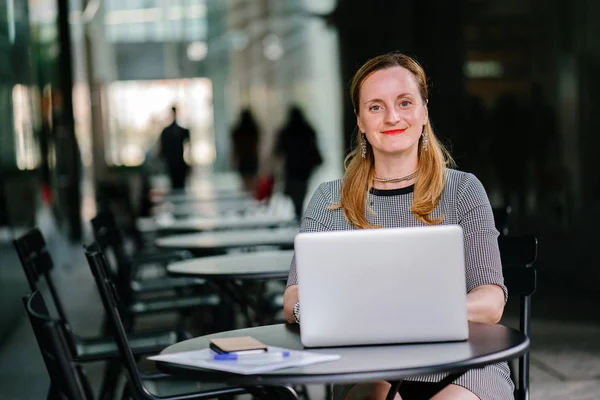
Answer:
x=463 y=202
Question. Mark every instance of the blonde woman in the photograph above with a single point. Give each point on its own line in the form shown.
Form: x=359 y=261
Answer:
x=398 y=176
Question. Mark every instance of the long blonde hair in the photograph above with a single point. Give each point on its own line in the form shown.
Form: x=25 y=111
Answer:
x=358 y=179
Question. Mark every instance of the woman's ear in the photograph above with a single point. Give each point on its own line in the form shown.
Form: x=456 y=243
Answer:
x=360 y=125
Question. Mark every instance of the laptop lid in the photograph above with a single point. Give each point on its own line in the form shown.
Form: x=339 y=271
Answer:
x=375 y=286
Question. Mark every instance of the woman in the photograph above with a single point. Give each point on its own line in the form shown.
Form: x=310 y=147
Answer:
x=397 y=176
x=245 y=137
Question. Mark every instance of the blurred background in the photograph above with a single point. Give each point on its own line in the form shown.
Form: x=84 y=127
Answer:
x=87 y=87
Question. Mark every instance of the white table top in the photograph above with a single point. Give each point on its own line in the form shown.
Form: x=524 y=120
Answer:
x=232 y=238
x=207 y=208
x=198 y=196
x=258 y=220
x=260 y=264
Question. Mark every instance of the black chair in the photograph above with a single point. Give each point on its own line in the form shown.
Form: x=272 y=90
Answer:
x=67 y=379
x=186 y=294
x=518 y=255
x=136 y=389
x=37 y=263
x=109 y=237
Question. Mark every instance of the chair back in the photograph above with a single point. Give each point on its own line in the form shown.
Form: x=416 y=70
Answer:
x=109 y=238
x=518 y=255
x=37 y=262
x=67 y=379
x=34 y=257
x=109 y=295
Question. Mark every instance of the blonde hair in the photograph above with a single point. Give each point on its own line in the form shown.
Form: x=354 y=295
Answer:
x=358 y=178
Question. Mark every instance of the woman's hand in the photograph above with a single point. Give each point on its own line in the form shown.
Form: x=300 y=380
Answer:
x=485 y=303
x=290 y=297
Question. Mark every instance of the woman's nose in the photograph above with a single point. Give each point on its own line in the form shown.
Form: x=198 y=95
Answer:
x=392 y=116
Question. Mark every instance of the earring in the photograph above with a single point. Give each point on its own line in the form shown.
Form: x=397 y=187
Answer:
x=363 y=146
x=425 y=140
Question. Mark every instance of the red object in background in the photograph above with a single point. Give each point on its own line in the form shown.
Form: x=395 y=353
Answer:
x=264 y=187
x=46 y=194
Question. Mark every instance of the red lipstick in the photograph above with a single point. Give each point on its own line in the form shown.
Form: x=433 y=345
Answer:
x=394 y=131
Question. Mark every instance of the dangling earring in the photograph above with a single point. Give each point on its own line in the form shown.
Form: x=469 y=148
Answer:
x=425 y=139
x=363 y=146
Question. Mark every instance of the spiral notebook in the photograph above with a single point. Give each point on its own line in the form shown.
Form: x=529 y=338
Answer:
x=275 y=358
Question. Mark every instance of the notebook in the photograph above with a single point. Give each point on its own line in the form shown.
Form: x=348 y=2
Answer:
x=275 y=358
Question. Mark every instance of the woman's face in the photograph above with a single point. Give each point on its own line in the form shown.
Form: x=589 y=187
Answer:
x=391 y=111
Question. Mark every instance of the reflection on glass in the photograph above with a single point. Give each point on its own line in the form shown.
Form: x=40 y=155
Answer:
x=139 y=110
x=140 y=21
x=24 y=123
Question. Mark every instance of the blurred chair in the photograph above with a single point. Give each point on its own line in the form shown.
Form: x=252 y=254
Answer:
x=67 y=379
x=518 y=255
x=110 y=237
x=136 y=388
x=186 y=294
x=37 y=263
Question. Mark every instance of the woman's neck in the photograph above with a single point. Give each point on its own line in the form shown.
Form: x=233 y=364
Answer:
x=394 y=167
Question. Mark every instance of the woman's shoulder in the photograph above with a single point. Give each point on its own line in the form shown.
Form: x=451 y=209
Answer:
x=461 y=184
x=325 y=196
x=460 y=179
x=330 y=190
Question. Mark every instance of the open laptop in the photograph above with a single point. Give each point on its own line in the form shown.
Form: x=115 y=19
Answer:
x=376 y=286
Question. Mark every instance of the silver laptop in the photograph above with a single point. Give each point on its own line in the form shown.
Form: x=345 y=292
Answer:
x=376 y=286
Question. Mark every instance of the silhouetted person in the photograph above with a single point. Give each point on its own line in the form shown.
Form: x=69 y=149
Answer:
x=297 y=144
x=172 y=141
x=244 y=138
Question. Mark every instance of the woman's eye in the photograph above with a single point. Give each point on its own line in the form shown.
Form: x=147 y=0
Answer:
x=375 y=108
x=405 y=103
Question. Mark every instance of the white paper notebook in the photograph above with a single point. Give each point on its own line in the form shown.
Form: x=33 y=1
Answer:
x=272 y=360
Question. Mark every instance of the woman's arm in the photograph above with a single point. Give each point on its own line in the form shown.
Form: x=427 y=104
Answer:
x=485 y=284
x=315 y=220
x=290 y=297
x=484 y=304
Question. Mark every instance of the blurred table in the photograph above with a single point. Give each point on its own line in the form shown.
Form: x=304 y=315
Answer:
x=230 y=271
x=207 y=208
x=206 y=243
x=168 y=224
x=273 y=264
x=200 y=196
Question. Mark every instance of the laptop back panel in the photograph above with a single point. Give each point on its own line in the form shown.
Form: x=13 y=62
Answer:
x=381 y=286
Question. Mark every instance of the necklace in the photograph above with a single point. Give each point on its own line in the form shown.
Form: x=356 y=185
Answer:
x=398 y=179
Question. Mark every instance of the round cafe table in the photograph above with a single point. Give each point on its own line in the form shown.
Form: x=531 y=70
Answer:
x=168 y=224
x=242 y=266
x=207 y=208
x=230 y=271
x=487 y=344
x=216 y=242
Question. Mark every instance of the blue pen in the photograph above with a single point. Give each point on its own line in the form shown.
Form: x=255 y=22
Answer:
x=233 y=357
